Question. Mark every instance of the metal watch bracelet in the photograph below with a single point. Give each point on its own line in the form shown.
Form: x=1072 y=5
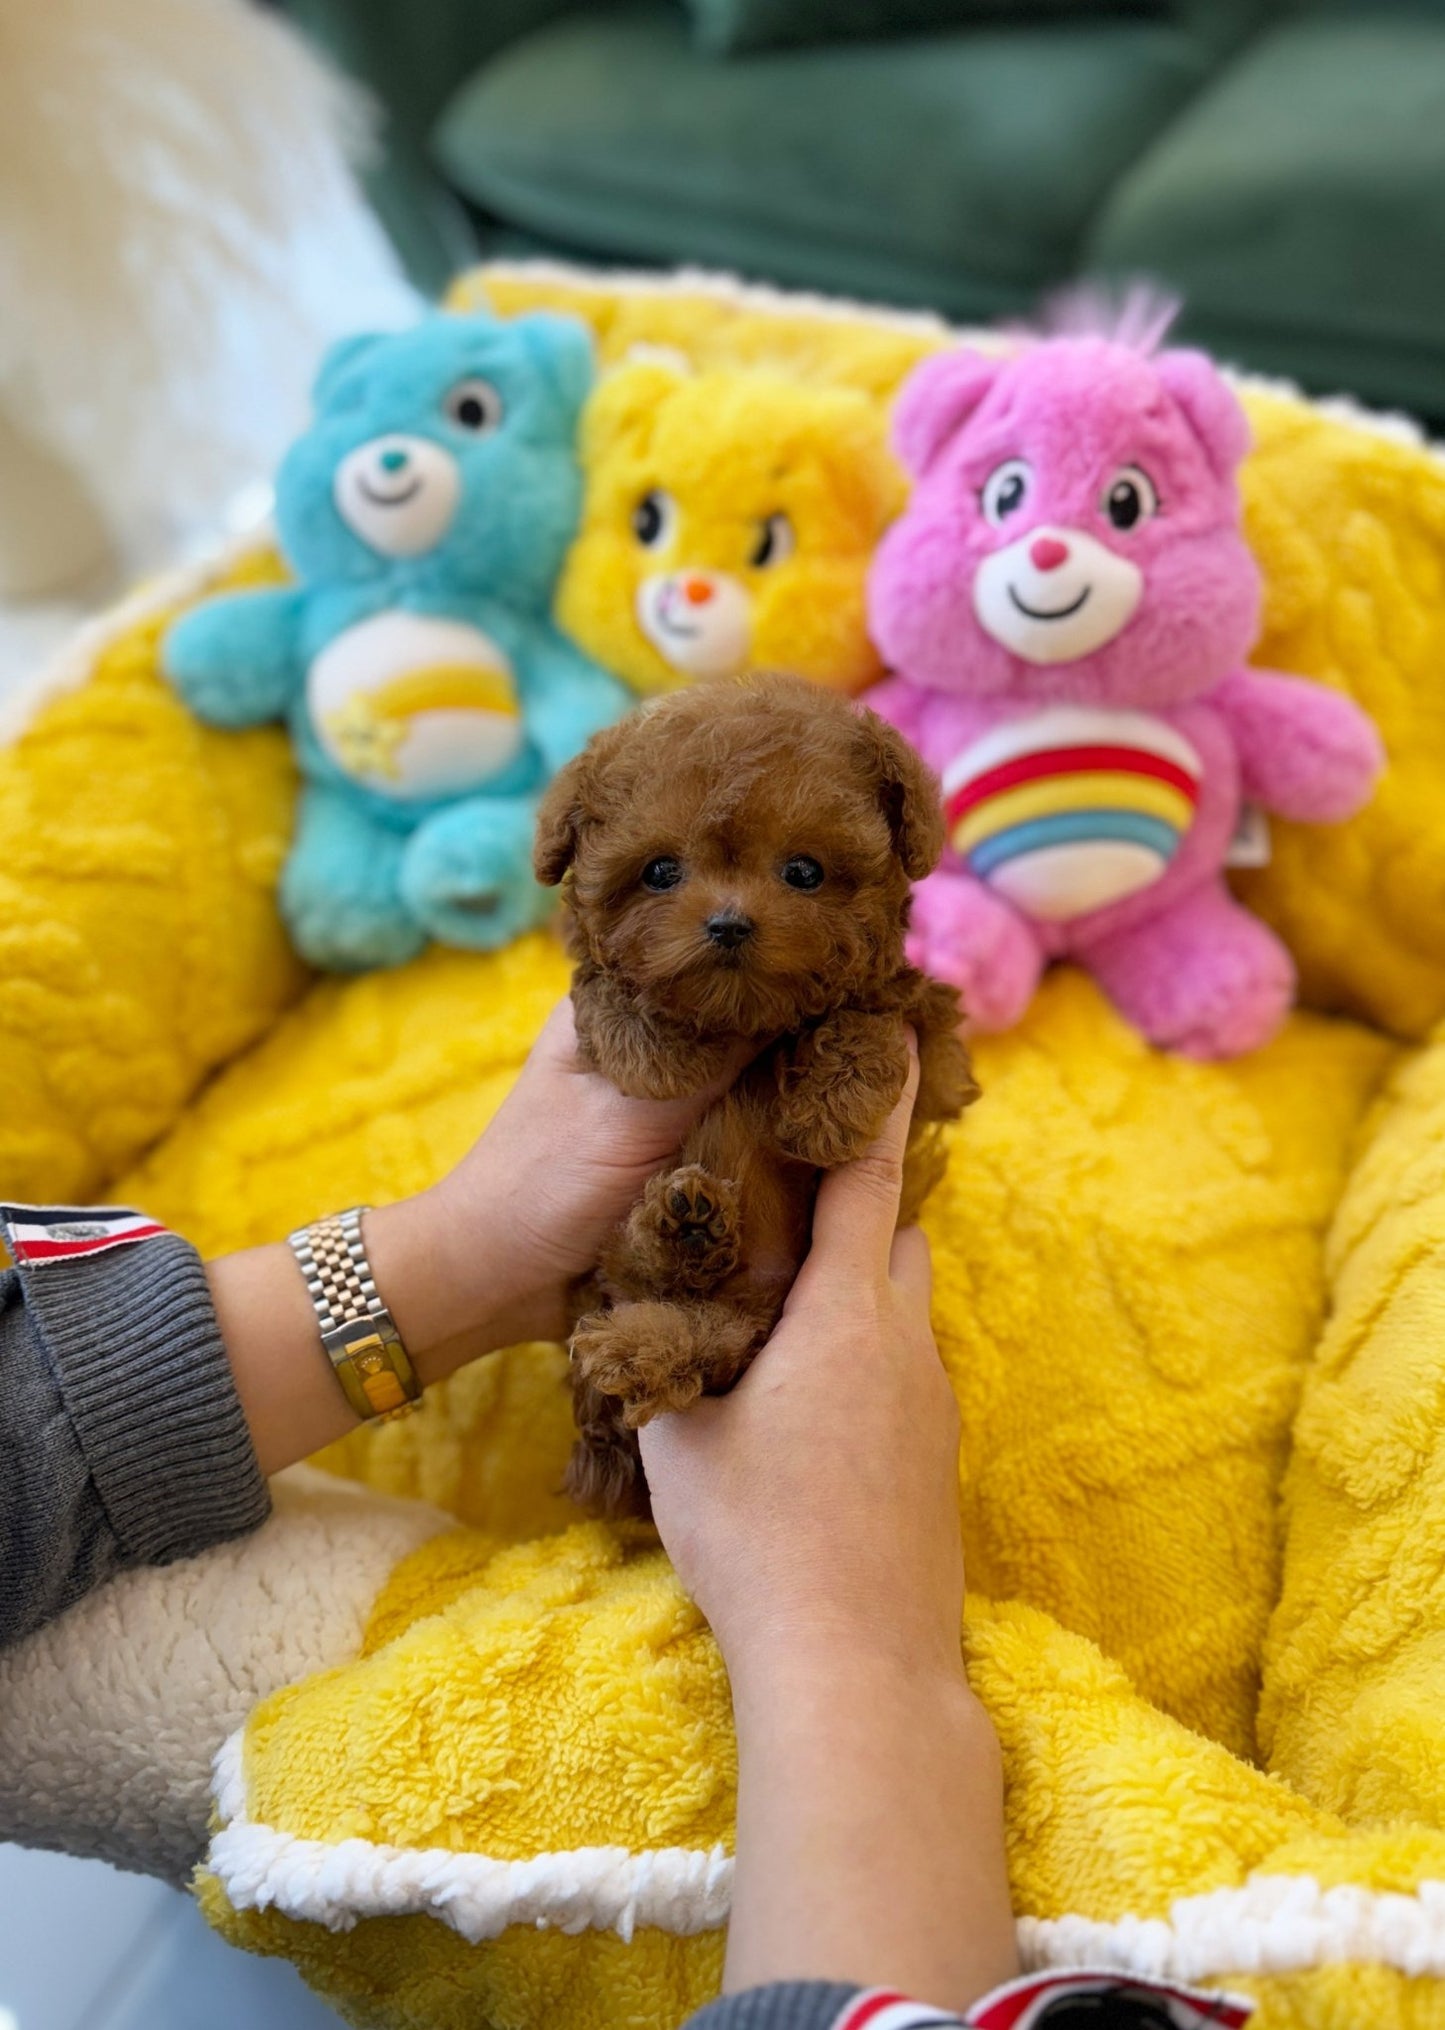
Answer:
x=358 y=1332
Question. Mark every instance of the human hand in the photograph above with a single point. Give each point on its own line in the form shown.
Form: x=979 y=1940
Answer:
x=816 y=1506
x=491 y=1249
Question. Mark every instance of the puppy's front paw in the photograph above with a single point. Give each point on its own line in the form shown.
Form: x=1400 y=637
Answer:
x=836 y=1088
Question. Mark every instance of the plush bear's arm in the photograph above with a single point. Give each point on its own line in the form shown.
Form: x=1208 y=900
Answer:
x=236 y=660
x=567 y=698
x=1304 y=751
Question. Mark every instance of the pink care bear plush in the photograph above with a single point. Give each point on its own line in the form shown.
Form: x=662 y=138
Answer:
x=1068 y=602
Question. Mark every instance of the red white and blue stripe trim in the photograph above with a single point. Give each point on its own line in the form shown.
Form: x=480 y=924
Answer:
x=40 y=1235
x=1037 y=2000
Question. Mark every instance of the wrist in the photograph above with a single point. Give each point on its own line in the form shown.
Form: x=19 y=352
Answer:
x=442 y=1287
x=812 y=1664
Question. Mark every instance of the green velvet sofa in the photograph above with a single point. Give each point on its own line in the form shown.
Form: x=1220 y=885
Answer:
x=1280 y=162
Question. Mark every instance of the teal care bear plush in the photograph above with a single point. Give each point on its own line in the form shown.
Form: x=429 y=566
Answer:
x=425 y=514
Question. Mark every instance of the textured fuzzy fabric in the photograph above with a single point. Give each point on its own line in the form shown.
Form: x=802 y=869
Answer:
x=1008 y=590
x=110 y=1717
x=1134 y=1252
x=425 y=512
x=710 y=581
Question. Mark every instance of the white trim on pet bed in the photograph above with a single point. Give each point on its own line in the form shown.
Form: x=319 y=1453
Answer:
x=70 y=666
x=1271 y=1924
x=679 y=1890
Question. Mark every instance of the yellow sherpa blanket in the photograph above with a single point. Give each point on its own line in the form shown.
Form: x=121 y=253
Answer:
x=1194 y=1314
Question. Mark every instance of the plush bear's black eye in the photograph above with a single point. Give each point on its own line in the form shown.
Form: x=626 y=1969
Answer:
x=474 y=405
x=1005 y=490
x=775 y=543
x=662 y=873
x=1131 y=498
x=652 y=519
x=802 y=872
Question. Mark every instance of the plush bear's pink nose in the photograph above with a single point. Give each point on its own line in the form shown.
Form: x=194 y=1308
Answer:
x=696 y=591
x=1047 y=553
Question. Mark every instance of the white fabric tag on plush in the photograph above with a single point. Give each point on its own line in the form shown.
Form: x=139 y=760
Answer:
x=1040 y=2001
x=38 y=1235
x=1250 y=846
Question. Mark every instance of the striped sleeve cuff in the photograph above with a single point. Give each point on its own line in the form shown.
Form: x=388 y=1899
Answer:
x=133 y=1343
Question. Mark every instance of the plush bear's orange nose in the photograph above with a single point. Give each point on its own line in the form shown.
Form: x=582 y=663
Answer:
x=1048 y=553
x=696 y=591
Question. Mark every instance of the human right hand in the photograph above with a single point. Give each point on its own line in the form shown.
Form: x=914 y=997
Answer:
x=812 y=1514
x=817 y=1502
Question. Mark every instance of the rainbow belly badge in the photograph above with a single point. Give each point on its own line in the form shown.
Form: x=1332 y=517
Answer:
x=415 y=707
x=1073 y=808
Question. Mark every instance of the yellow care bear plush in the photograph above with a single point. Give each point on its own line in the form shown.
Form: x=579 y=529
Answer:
x=728 y=522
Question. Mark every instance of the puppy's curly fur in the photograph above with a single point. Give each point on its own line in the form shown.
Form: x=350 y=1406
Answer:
x=737 y=863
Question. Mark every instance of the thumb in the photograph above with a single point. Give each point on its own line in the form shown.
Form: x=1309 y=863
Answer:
x=857 y=1209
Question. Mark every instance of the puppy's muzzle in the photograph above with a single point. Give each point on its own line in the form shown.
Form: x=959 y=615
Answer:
x=729 y=930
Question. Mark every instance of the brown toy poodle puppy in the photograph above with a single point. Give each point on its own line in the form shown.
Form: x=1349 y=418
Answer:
x=738 y=861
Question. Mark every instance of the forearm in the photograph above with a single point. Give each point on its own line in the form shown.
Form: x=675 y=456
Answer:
x=870 y=1828
x=449 y=1308
x=121 y=1440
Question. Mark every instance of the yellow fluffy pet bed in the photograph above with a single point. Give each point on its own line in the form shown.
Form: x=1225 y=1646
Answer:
x=473 y=1759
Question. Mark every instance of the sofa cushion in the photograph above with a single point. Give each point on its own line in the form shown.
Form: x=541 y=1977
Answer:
x=959 y=167
x=1299 y=204
x=729 y=26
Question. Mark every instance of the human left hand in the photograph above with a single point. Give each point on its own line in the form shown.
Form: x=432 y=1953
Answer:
x=493 y=1248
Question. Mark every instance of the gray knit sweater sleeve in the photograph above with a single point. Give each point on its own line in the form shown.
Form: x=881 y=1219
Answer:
x=781 y=2005
x=122 y=1440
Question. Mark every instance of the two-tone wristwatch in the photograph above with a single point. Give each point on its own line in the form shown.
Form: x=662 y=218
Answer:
x=357 y=1331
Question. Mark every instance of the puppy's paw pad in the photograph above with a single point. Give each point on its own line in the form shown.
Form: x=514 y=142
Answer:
x=696 y=1212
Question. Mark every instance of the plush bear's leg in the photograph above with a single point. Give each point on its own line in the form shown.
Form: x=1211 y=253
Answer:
x=1204 y=977
x=467 y=874
x=655 y=1356
x=965 y=935
x=341 y=888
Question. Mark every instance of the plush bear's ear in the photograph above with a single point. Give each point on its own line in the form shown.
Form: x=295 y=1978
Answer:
x=1210 y=406
x=936 y=400
x=562 y=347
x=624 y=400
x=340 y=361
x=908 y=794
x=571 y=800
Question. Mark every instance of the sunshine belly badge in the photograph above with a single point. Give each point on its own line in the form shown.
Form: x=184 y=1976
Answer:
x=430 y=699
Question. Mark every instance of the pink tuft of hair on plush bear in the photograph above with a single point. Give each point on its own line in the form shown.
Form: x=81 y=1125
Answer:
x=1067 y=603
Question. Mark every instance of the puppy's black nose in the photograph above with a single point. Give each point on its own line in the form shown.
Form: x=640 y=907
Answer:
x=729 y=928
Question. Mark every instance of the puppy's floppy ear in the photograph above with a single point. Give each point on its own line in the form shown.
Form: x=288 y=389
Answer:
x=558 y=816
x=908 y=795
x=570 y=800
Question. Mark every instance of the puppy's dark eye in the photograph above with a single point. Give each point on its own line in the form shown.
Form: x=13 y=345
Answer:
x=802 y=872
x=662 y=873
